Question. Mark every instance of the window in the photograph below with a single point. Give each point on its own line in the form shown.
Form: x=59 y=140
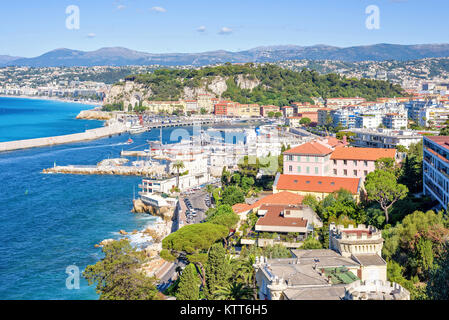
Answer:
x=335 y=171
x=308 y=170
x=355 y=173
x=345 y=162
x=335 y=162
x=316 y=159
x=299 y=158
x=355 y=162
x=316 y=170
x=308 y=159
x=345 y=172
x=290 y=168
x=366 y=163
x=290 y=158
x=366 y=173
x=299 y=169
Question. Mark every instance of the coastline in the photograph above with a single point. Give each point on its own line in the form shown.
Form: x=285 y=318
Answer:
x=88 y=103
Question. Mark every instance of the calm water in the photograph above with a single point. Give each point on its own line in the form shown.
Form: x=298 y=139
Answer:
x=50 y=222
x=28 y=119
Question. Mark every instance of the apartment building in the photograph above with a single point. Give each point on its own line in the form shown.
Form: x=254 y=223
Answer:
x=395 y=121
x=368 y=120
x=265 y=110
x=343 y=102
x=436 y=169
x=384 y=138
x=435 y=116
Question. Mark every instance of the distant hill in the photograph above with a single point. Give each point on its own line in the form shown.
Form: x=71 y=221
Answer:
x=121 y=56
x=7 y=59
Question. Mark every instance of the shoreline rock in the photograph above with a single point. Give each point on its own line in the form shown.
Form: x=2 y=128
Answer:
x=94 y=115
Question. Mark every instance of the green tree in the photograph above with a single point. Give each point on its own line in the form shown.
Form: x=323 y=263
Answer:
x=117 y=275
x=193 y=241
x=189 y=284
x=438 y=284
x=178 y=165
x=305 y=121
x=225 y=216
x=382 y=187
x=234 y=291
x=218 y=270
x=311 y=243
x=232 y=195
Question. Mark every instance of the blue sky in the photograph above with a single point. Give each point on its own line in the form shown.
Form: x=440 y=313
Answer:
x=29 y=28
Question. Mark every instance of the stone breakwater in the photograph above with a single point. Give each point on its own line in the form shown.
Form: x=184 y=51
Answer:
x=91 y=134
x=101 y=170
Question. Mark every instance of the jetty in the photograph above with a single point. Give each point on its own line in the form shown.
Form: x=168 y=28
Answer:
x=102 y=170
x=92 y=134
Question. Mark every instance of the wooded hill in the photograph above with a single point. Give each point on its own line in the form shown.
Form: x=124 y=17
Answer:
x=268 y=84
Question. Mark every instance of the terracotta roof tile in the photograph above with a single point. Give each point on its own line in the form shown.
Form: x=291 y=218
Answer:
x=317 y=184
x=281 y=198
x=310 y=148
x=370 y=154
x=273 y=217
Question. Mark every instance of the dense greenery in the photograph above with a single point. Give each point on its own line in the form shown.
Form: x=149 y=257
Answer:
x=189 y=284
x=117 y=275
x=276 y=86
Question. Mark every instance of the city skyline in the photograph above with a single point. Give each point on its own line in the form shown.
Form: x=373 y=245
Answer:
x=175 y=26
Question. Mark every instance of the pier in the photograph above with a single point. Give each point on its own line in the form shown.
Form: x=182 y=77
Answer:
x=101 y=170
x=91 y=134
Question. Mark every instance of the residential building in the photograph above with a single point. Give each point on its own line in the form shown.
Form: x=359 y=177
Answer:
x=384 y=138
x=368 y=120
x=395 y=121
x=351 y=269
x=265 y=110
x=288 y=111
x=343 y=102
x=322 y=158
x=358 y=162
x=435 y=116
x=436 y=169
x=320 y=187
x=324 y=116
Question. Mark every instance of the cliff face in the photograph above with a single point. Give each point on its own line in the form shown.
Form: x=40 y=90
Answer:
x=131 y=92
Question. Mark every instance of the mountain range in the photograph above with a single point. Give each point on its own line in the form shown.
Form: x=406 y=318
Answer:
x=117 y=56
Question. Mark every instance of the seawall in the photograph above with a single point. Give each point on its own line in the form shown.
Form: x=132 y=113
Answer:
x=91 y=134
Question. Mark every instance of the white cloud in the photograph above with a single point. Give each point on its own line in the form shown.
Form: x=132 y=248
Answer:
x=158 y=9
x=225 y=30
x=121 y=7
x=91 y=35
x=201 y=29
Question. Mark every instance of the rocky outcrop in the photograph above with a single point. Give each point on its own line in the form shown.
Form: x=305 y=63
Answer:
x=104 y=242
x=165 y=213
x=94 y=115
x=246 y=83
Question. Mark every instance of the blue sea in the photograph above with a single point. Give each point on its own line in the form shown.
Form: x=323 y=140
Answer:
x=50 y=222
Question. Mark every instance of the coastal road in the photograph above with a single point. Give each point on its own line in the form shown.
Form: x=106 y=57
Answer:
x=197 y=200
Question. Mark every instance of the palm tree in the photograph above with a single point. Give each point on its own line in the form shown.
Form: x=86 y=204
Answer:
x=234 y=291
x=178 y=165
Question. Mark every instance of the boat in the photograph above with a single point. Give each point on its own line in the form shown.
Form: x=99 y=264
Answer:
x=130 y=141
x=136 y=129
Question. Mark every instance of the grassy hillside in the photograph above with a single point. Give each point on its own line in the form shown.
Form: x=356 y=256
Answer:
x=277 y=86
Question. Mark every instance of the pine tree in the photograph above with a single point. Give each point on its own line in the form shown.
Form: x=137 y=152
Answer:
x=218 y=270
x=189 y=284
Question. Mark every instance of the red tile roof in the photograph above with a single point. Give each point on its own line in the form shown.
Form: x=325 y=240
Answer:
x=281 y=198
x=370 y=154
x=310 y=148
x=273 y=217
x=317 y=184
